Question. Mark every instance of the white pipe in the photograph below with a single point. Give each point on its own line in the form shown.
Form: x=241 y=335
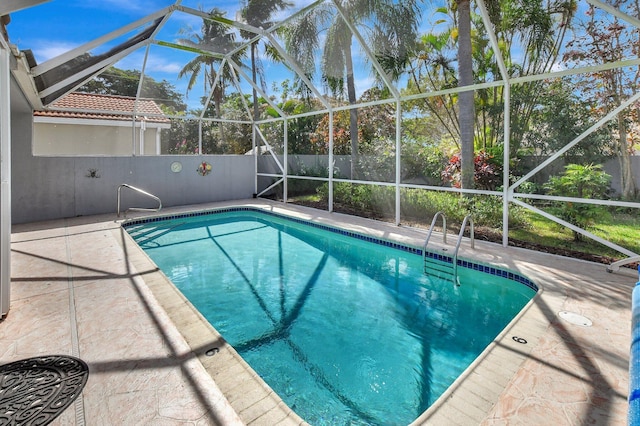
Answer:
x=5 y=182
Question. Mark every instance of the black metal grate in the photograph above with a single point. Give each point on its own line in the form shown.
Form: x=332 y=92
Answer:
x=35 y=391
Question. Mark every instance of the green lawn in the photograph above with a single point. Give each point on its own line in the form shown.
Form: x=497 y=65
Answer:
x=620 y=229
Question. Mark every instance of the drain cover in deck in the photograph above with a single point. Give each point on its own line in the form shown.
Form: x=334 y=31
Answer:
x=36 y=390
x=575 y=319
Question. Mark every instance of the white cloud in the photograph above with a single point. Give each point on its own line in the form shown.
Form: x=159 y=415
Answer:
x=147 y=6
x=558 y=66
x=159 y=64
x=363 y=84
x=48 y=49
x=155 y=63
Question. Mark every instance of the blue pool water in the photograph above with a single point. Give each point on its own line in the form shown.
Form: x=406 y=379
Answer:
x=346 y=331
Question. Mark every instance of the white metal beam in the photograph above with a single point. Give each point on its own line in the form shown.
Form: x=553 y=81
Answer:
x=398 y=159
x=577 y=200
x=10 y=6
x=294 y=65
x=236 y=84
x=575 y=228
x=285 y=172
x=22 y=74
x=5 y=180
x=266 y=97
x=269 y=148
x=507 y=119
x=615 y=12
x=90 y=72
x=216 y=83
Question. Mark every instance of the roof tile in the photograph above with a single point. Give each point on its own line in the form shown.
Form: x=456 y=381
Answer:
x=103 y=107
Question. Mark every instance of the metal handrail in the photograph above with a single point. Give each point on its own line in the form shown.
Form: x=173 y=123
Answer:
x=444 y=229
x=444 y=234
x=455 y=253
x=126 y=185
x=616 y=265
x=467 y=218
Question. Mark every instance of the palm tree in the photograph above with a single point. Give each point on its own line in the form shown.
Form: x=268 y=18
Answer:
x=214 y=40
x=465 y=98
x=529 y=34
x=258 y=13
x=389 y=27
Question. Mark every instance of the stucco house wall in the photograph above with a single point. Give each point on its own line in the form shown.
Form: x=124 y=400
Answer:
x=54 y=187
x=93 y=137
x=95 y=124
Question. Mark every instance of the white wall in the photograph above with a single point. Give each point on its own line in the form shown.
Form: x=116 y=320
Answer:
x=51 y=139
x=46 y=188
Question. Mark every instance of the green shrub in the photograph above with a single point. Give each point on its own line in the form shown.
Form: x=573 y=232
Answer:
x=579 y=181
x=298 y=187
x=420 y=205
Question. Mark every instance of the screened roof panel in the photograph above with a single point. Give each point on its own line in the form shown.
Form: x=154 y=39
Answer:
x=302 y=49
x=207 y=30
x=165 y=64
x=296 y=8
x=293 y=76
x=600 y=36
x=55 y=81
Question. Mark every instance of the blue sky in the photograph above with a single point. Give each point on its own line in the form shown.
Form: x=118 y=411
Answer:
x=58 y=26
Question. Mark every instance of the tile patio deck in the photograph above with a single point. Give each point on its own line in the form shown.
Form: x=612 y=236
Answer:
x=81 y=287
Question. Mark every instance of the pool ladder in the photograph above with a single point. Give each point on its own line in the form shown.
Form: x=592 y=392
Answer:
x=438 y=265
x=140 y=209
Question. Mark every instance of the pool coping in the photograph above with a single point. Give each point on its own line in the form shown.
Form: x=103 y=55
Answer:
x=468 y=399
x=438 y=255
x=249 y=395
x=571 y=373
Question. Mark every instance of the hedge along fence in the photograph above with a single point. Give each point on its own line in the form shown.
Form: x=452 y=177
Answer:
x=420 y=205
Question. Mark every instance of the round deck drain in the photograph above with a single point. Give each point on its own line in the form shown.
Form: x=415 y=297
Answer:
x=212 y=352
x=575 y=319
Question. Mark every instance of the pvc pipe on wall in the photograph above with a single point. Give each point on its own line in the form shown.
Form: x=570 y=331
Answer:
x=5 y=183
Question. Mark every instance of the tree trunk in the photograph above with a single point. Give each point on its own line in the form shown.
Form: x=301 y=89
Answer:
x=627 y=182
x=465 y=99
x=218 y=96
x=221 y=144
x=353 y=113
x=254 y=72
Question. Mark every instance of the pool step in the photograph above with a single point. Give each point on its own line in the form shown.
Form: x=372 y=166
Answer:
x=144 y=234
x=449 y=266
x=442 y=269
x=138 y=232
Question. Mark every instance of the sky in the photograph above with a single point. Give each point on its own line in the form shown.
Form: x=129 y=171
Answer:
x=55 y=27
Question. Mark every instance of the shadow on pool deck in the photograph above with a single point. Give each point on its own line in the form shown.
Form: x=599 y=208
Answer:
x=81 y=287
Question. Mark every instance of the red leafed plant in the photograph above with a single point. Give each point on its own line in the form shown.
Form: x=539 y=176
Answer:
x=487 y=174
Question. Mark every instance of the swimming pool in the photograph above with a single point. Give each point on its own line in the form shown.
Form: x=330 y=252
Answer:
x=339 y=324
